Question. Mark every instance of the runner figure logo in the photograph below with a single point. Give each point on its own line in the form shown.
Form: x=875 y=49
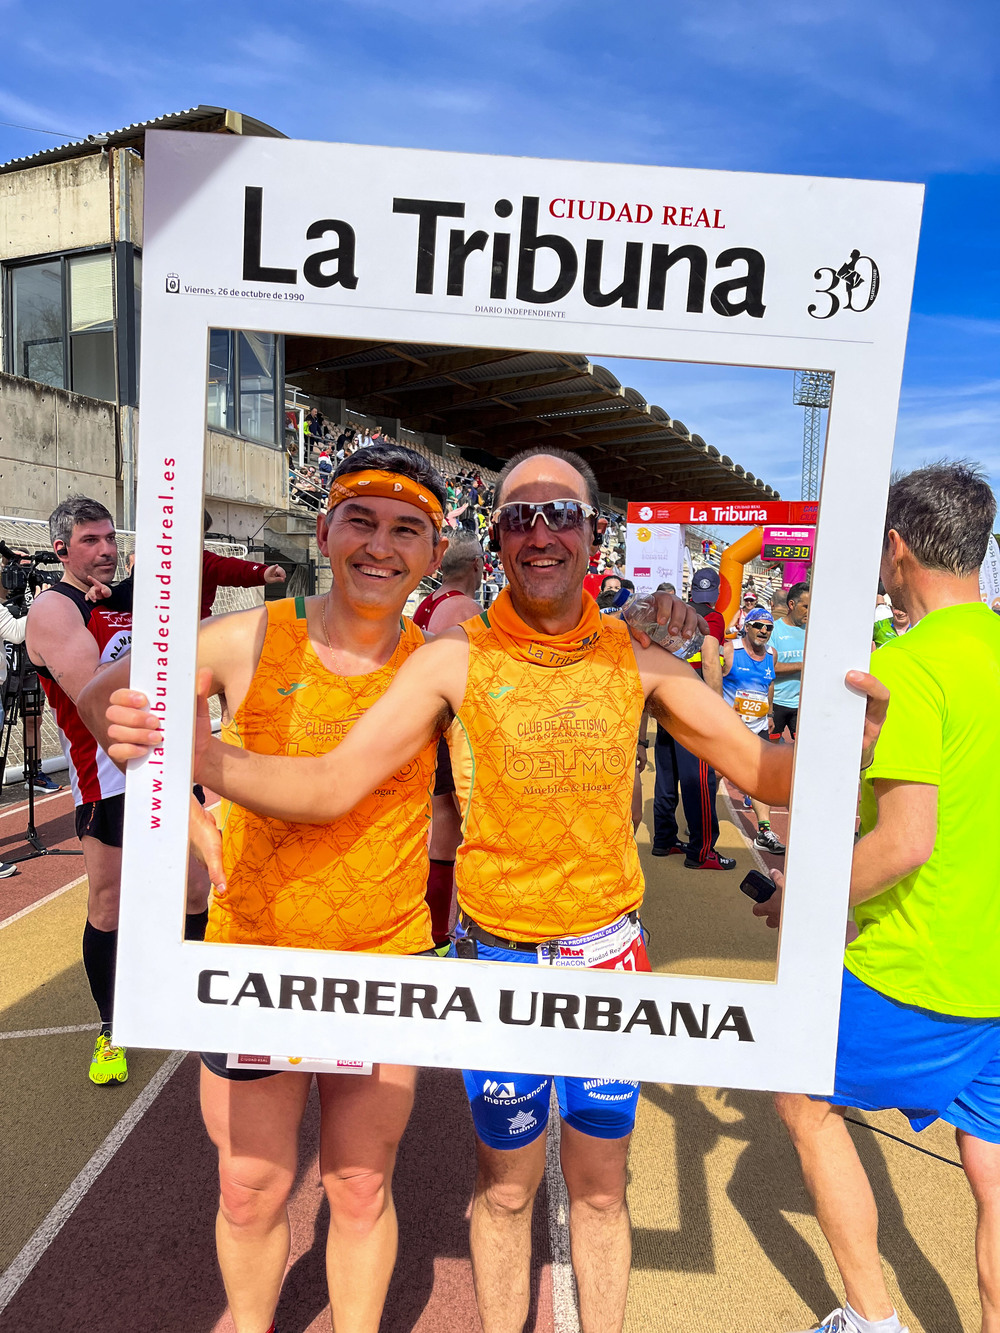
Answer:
x=859 y=286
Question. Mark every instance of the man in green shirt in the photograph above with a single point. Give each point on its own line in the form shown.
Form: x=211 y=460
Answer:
x=920 y=1007
x=890 y=627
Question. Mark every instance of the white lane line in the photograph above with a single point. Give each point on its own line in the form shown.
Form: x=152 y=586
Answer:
x=42 y=901
x=565 y=1313
x=22 y=806
x=22 y=1266
x=752 y=848
x=49 y=1032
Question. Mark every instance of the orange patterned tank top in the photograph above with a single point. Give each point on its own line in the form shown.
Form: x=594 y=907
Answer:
x=544 y=760
x=355 y=884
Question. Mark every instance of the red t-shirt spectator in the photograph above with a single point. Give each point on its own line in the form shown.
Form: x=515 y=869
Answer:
x=228 y=572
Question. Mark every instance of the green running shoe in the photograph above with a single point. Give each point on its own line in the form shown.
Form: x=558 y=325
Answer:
x=108 y=1064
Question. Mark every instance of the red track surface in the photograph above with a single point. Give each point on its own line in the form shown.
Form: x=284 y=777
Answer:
x=147 y=1226
x=147 y=1222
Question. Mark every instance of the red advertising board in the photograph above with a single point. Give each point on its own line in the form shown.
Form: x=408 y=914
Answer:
x=713 y=513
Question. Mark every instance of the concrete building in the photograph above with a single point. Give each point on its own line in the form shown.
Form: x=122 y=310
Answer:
x=71 y=257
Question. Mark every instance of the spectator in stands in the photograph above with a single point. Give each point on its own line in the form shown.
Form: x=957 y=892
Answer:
x=324 y=466
x=230 y=572
x=315 y=425
x=611 y=583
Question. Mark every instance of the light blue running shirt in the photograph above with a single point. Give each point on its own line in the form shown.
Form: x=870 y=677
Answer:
x=789 y=642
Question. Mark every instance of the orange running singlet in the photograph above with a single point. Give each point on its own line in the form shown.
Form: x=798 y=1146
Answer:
x=544 y=759
x=358 y=883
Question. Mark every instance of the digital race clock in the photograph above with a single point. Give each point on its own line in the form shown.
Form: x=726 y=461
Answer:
x=788 y=544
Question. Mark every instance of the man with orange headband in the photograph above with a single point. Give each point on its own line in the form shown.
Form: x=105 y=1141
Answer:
x=294 y=676
x=547 y=696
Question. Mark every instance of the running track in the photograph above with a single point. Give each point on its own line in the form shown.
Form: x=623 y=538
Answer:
x=120 y=1180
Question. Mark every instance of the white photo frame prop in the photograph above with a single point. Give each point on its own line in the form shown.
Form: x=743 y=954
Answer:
x=801 y=273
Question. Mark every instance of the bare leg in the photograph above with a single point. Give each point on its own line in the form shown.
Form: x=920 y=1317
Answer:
x=600 y=1234
x=842 y=1197
x=363 y=1119
x=103 y=865
x=255 y=1127
x=762 y=811
x=500 y=1234
x=982 y=1166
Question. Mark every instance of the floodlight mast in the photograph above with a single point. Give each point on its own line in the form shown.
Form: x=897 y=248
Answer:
x=813 y=391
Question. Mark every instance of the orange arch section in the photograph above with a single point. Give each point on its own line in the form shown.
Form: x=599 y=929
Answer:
x=731 y=568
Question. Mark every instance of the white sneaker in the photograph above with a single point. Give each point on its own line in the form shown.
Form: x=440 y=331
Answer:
x=840 y=1321
x=7 y=869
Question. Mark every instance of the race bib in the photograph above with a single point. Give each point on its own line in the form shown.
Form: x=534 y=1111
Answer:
x=297 y=1064
x=619 y=947
x=751 y=706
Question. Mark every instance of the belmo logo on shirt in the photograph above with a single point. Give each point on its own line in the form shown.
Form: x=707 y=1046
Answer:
x=568 y=762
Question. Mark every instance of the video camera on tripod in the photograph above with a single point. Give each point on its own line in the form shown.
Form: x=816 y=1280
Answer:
x=23 y=573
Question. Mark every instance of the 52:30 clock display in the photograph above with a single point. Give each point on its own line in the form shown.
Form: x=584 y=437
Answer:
x=776 y=552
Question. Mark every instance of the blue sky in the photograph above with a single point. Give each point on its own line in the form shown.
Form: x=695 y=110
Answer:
x=888 y=89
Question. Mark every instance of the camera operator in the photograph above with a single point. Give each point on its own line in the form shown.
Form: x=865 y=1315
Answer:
x=74 y=627
x=12 y=629
x=19 y=572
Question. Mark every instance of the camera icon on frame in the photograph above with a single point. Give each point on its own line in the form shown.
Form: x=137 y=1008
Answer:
x=173 y=284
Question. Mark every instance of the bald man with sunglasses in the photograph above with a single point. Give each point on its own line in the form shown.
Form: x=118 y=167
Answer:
x=546 y=695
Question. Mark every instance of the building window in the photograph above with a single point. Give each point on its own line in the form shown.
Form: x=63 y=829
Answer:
x=62 y=323
x=244 y=384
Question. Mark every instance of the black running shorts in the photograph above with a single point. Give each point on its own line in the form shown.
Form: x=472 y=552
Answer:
x=102 y=820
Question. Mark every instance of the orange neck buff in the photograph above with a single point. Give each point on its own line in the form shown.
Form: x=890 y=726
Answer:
x=388 y=485
x=548 y=650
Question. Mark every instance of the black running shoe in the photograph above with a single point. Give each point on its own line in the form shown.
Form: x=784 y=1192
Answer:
x=713 y=861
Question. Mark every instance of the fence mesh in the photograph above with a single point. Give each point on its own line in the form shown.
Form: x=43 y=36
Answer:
x=33 y=535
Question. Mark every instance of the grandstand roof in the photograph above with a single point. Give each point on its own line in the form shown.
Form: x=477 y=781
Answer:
x=502 y=400
x=209 y=119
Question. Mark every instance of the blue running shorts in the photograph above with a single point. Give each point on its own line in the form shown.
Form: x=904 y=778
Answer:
x=930 y=1066
x=510 y=1110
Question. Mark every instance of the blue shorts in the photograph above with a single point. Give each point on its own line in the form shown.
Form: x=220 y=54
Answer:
x=930 y=1066
x=510 y=1110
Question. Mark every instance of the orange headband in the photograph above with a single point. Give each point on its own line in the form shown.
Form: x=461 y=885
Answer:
x=389 y=485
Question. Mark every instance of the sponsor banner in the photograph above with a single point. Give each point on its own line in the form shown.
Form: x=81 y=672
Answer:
x=654 y=554
x=297 y=1064
x=718 y=513
x=478 y=252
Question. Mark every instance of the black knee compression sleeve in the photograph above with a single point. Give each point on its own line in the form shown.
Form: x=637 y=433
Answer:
x=100 y=949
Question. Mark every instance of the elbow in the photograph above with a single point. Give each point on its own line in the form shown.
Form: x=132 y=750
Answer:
x=914 y=855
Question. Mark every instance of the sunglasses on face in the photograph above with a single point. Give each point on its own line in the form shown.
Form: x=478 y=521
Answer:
x=760 y=627
x=558 y=515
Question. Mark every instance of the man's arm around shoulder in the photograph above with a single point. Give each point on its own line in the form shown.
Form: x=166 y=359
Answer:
x=57 y=638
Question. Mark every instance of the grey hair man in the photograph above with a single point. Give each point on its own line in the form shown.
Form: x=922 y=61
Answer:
x=920 y=1008
x=69 y=637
